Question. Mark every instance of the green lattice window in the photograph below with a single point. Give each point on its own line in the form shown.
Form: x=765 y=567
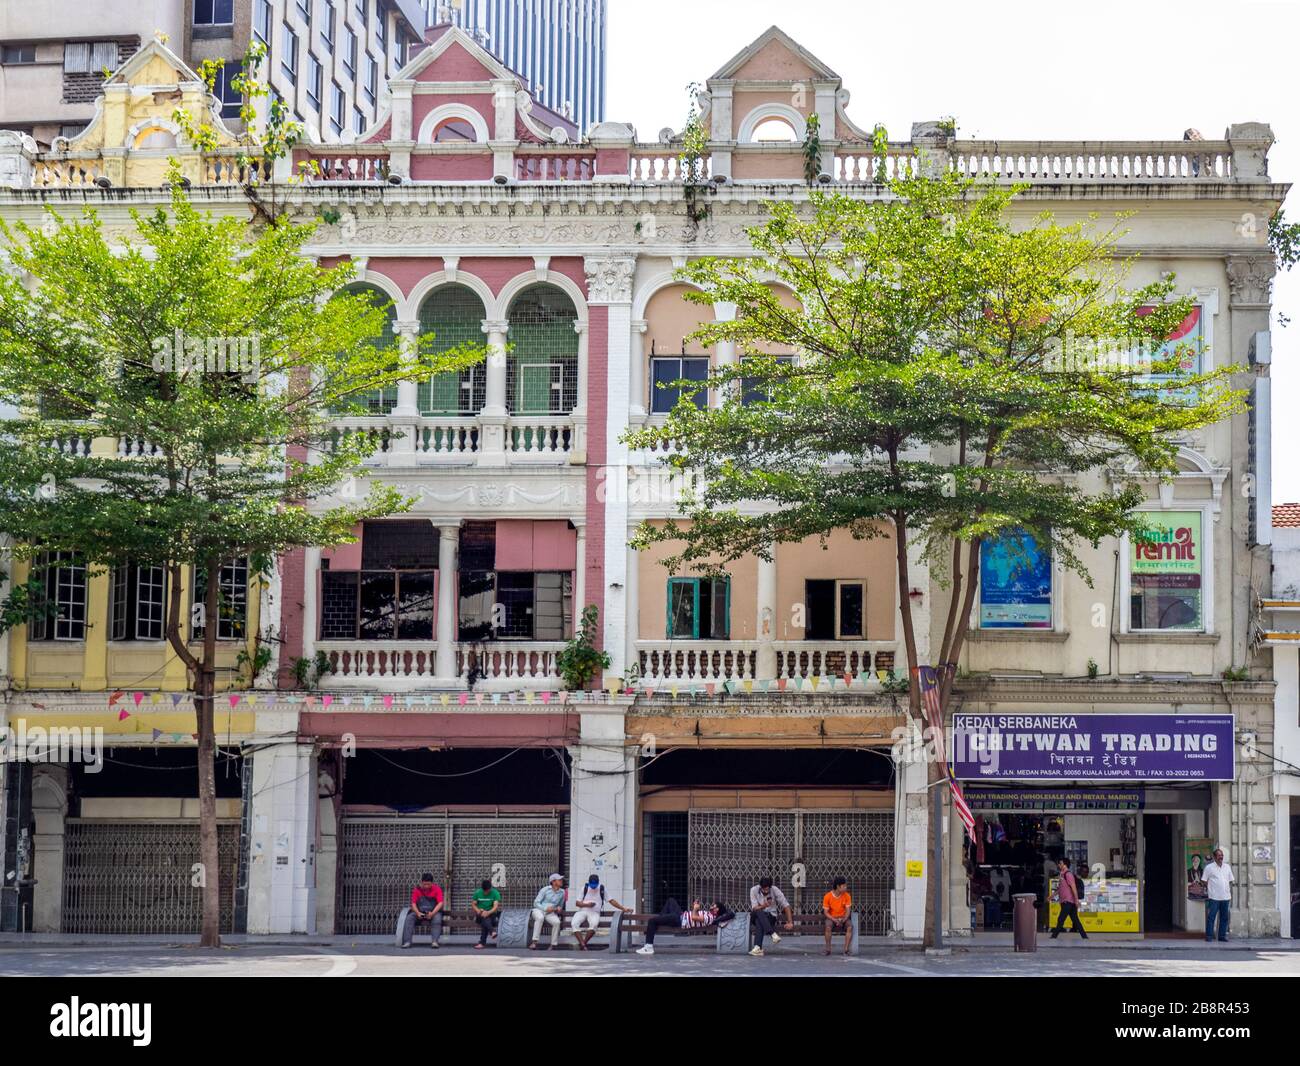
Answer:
x=454 y=315
x=542 y=368
x=378 y=401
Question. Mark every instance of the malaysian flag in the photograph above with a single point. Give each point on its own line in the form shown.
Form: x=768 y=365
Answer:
x=931 y=681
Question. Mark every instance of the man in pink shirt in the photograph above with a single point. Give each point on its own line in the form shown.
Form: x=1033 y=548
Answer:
x=1067 y=893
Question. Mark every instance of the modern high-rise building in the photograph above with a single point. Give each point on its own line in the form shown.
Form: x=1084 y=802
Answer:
x=557 y=46
x=328 y=59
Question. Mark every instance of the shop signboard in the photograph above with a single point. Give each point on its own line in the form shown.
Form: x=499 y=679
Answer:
x=1015 y=583
x=1093 y=747
x=1054 y=799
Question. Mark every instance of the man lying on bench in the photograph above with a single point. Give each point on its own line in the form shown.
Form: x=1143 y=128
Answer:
x=674 y=915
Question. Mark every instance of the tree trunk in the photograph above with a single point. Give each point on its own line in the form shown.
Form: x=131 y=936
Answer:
x=205 y=713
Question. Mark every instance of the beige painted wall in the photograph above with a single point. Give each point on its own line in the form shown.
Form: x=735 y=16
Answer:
x=842 y=558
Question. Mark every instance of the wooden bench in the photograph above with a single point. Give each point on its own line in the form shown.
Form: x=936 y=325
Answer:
x=732 y=938
x=815 y=925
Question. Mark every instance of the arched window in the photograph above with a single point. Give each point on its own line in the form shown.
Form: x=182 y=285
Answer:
x=454 y=315
x=378 y=401
x=542 y=366
x=155 y=137
x=454 y=129
x=774 y=131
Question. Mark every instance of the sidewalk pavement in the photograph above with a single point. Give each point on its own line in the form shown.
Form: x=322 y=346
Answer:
x=992 y=943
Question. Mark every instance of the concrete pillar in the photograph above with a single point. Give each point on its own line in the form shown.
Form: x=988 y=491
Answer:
x=637 y=404
x=282 y=848
x=580 y=572
x=726 y=352
x=49 y=811
x=448 y=544
x=578 y=448
x=632 y=600
x=765 y=622
x=602 y=837
x=408 y=388
x=493 y=417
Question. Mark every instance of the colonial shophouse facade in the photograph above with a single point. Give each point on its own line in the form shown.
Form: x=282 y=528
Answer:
x=735 y=734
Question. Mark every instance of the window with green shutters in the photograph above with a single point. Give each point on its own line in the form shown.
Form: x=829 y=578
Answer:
x=378 y=401
x=542 y=367
x=454 y=315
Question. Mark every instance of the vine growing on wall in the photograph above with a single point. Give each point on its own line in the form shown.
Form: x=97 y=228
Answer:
x=812 y=149
x=695 y=148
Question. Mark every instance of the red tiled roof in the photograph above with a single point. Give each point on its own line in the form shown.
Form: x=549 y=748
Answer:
x=1286 y=514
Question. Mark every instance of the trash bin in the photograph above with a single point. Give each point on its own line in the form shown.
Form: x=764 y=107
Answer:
x=1024 y=921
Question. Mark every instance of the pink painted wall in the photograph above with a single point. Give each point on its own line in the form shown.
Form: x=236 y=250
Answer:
x=543 y=544
x=345 y=556
x=455 y=64
x=469 y=167
x=774 y=62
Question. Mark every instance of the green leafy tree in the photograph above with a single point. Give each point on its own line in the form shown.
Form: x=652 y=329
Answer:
x=114 y=344
x=952 y=367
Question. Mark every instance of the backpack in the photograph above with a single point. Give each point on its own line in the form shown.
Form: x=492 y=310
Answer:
x=1078 y=887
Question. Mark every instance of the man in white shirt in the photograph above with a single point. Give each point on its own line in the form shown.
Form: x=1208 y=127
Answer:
x=1218 y=879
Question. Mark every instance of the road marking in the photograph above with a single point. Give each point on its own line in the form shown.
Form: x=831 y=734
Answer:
x=343 y=964
x=900 y=967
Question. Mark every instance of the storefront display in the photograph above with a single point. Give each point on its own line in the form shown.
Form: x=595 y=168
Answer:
x=1197 y=852
x=1109 y=905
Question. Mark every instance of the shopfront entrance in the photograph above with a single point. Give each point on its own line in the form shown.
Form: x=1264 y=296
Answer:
x=1128 y=846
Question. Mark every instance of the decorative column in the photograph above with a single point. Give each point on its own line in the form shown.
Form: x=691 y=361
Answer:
x=609 y=299
x=765 y=623
x=638 y=407
x=494 y=416
x=578 y=447
x=282 y=848
x=405 y=416
x=603 y=823
x=580 y=572
x=448 y=545
x=633 y=598
x=724 y=312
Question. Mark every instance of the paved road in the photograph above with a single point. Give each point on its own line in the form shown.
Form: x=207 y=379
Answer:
x=366 y=960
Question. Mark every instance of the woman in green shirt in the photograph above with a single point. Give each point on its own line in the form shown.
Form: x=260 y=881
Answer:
x=487 y=912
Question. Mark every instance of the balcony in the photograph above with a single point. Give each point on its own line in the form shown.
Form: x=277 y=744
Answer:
x=409 y=665
x=705 y=662
x=463 y=441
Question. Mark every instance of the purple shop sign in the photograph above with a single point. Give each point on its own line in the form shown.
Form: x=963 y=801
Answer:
x=1100 y=747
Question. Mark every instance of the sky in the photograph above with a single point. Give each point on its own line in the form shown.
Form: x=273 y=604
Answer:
x=1133 y=70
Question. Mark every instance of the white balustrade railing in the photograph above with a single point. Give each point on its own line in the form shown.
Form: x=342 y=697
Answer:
x=539 y=437
x=357 y=663
x=1108 y=161
x=73 y=443
x=406 y=665
x=654 y=164
x=505 y=662
x=450 y=438
x=836 y=658
x=664 y=662
x=862 y=165
x=136 y=448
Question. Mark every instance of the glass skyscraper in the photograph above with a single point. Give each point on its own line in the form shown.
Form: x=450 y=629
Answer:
x=556 y=46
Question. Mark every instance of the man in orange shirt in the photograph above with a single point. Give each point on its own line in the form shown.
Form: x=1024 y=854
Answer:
x=836 y=905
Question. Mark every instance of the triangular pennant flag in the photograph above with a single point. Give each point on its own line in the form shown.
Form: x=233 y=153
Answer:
x=462 y=699
x=176 y=698
x=123 y=715
x=478 y=699
x=749 y=685
x=881 y=674
x=864 y=678
x=138 y=697
x=115 y=697
x=427 y=700
x=730 y=686
x=693 y=691
x=446 y=698
x=407 y=701
x=251 y=700
x=812 y=680
x=709 y=689
x=650 y=693
x=763 y=686
x=234 y=701
x=546 y=697
x=613 y=686
x=528 y=695
x=798 y=682
x=177 y=738
x=347 y=701
x=156 y=734
x=781 y=682
x=496 y=697
x=326 y=700
x=309 y=701
x=368 y=700
x=388 y=701
x=672 y=691
x=156 y=698
x=514 y=696
x=848 y=680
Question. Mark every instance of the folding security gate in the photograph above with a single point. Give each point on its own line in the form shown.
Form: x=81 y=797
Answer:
x=137 y=877
x=382 y=858
x=727 y=852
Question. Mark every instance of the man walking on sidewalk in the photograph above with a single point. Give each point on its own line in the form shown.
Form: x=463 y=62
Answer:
x=1218 y=879
x=1067 y=893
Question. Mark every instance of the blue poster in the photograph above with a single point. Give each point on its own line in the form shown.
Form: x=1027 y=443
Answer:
x=1015 y=583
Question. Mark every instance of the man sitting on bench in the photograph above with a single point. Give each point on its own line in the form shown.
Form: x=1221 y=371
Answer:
x=835 y=906
x=766 y=901
x=673 y=914
x=426 y=906
x=587 y=906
